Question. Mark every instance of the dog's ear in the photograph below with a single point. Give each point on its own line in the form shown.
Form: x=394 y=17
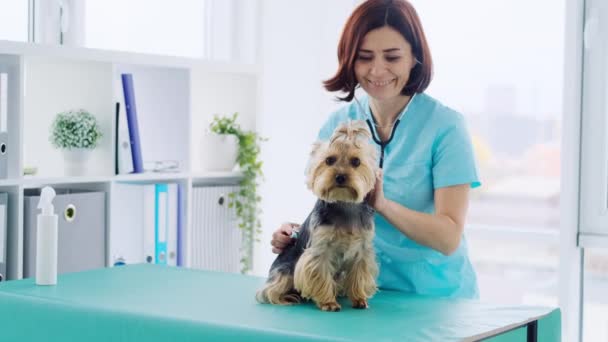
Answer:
x=317 y=147
x=372 y=154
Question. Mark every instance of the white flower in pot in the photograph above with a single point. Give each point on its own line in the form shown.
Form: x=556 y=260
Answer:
x=220 y=144
x=76 y=133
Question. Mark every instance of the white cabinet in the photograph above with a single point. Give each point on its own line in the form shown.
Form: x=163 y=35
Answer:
x=216 y=238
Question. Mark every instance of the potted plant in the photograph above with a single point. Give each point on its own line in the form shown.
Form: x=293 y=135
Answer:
x=220 y=145
x=245 y=201
x=76 y=133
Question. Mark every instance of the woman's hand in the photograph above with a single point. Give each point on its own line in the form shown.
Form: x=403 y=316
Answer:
x=376 y=197
x=282 y=237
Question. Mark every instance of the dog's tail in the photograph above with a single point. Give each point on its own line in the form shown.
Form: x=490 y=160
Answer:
x=278 y=290
x=262 y=296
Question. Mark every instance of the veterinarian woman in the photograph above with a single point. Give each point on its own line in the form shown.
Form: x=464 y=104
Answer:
x=427 y=160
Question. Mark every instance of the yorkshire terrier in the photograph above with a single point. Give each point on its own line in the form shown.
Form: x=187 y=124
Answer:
x=333 y=254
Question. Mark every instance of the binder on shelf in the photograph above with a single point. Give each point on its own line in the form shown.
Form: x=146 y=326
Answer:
x=3 y=234
x=161 y=223
x=116 y=140
x=3 y=125
x=124 y=159
x=126 y=236
x=172 y=214
x=180 y=223
x=149 y=224
x=131 y=110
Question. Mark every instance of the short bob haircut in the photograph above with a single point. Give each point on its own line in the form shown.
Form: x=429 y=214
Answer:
x=373 y=14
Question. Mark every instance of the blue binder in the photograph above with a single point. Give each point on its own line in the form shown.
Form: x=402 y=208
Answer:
x=161 y=222
x=131 y=108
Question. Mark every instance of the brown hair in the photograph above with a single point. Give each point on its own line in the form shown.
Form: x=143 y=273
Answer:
x=373 y=14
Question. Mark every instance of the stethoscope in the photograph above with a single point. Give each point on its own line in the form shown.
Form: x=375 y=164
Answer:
x=377 y=140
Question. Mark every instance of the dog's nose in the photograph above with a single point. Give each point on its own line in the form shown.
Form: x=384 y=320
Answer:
x=340 y=179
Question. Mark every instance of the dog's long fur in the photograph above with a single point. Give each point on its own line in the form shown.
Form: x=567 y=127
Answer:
x=333 y=255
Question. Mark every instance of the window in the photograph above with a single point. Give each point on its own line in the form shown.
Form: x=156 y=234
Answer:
x=503 y=70
x=220 y=30
x=157 y=27
x=13 y=20
x=595 y=301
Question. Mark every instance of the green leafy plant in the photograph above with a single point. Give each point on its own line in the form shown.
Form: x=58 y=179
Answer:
x=245 y=201
x=75 y=129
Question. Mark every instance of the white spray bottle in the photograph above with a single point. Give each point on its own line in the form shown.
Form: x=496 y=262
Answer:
x=46 y=240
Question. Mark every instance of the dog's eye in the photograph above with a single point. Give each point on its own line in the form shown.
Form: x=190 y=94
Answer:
x=330 y=161
x=355 y=162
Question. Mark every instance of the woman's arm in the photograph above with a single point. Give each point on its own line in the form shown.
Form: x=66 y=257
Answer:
x=441 y=231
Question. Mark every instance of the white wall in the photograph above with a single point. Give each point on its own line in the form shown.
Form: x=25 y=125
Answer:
x=298 y=51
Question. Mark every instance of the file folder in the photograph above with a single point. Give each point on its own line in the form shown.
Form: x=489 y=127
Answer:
x=3 y=234
x=126 y=236
x=149 y=224
x=180 y=222
x=131 y=109
x=4 y=125
x=161 y=223
x=124 y=157
x=172 y=224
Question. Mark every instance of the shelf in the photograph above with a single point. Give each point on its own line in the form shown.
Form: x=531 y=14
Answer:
x=99 y=55
x=31 y=182
x=205 y=178
x=150 y=177
x=10 y=182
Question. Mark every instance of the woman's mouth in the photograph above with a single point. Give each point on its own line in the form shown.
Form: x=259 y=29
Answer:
x=379 y=84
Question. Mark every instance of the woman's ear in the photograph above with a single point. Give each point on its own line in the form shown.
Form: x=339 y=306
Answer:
x=414 y=62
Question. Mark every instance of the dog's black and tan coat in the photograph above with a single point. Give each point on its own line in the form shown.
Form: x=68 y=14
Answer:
x=333 y=254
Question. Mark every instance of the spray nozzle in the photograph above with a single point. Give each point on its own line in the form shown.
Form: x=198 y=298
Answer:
x=46 y=200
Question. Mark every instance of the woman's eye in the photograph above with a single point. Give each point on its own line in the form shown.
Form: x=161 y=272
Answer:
x=330 y=161
x=364 y=58
x=392 y=58
x=355 y=162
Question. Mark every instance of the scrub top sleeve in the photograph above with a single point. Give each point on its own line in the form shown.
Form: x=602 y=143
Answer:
x=328 y=128
x=454 y=158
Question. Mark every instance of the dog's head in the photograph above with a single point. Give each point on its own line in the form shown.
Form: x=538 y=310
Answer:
x=343 y=169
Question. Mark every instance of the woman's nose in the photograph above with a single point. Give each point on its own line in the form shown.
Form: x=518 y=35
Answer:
x=377 y=67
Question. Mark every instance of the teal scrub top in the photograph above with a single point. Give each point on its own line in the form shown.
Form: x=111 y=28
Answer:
x=430 y=149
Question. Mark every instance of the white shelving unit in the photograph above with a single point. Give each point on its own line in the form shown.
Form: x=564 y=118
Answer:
x=176 y=97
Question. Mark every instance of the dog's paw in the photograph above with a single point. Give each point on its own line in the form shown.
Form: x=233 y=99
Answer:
x=360 y=304
x=332 y=306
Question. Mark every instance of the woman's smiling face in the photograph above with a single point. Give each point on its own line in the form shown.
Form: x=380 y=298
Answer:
x=383 y=63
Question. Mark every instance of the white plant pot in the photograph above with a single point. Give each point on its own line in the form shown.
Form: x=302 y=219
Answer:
x=75 y=161
x=219 y=151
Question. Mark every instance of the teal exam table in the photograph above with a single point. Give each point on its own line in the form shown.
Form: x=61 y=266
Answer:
x=159 y=303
